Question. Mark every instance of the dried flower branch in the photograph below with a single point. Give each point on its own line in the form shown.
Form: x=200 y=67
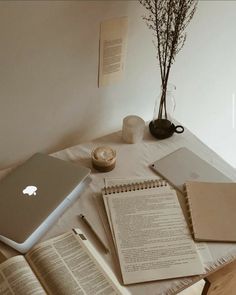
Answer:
x=168 y=19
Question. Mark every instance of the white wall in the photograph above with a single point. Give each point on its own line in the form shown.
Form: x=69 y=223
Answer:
x=48 y=75
x=206 y=79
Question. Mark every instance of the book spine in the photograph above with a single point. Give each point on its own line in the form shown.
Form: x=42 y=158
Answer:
x=134 y=186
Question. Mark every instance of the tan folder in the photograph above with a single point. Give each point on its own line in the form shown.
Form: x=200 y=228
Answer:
x=212 y=210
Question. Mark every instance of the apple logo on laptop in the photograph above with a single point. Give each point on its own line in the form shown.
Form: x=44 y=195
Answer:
x=30 y=190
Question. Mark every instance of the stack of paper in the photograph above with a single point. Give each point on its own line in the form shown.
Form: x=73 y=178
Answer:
x=150 y=234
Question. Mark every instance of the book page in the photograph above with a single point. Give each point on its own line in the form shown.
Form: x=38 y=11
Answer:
x=152 y=237
x=101 y=263
x=16 y=277
x=64 y=267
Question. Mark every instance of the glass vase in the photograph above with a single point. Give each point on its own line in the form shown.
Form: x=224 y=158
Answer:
x=166 y=110
x=162 y=125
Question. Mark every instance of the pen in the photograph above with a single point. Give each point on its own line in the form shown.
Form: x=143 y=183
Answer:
x=84 y=219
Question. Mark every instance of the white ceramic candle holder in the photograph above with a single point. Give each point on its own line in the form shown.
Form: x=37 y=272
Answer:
x=133 y=129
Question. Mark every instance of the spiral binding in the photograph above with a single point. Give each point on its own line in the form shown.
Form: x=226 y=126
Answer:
x=134 y=186
x=188 y=208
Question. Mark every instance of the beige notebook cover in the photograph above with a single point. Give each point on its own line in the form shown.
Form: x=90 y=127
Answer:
x=212 y=209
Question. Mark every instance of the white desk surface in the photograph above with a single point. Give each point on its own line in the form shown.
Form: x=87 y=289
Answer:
x=133 y=161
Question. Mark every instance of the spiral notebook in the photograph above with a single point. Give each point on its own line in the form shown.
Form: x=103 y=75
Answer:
x=150 y=234
x=212 y=208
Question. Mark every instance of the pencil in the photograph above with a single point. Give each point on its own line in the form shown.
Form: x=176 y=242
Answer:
x=84 y=219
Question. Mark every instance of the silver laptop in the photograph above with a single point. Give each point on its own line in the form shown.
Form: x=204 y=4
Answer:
x=34 y=195
x=183 y=165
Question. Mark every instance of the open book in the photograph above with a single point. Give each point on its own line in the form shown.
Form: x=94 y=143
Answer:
x=149 y=231
x=67 y=264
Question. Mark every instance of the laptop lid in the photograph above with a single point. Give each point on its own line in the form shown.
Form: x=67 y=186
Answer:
x=183 y=165
x=32 y=191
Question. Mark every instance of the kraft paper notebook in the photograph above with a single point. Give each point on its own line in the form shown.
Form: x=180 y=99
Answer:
x=150 y=234
x=212 y=210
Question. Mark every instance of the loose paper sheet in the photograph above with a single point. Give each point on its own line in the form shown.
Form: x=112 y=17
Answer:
x=112 y=51
x=205 y=253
